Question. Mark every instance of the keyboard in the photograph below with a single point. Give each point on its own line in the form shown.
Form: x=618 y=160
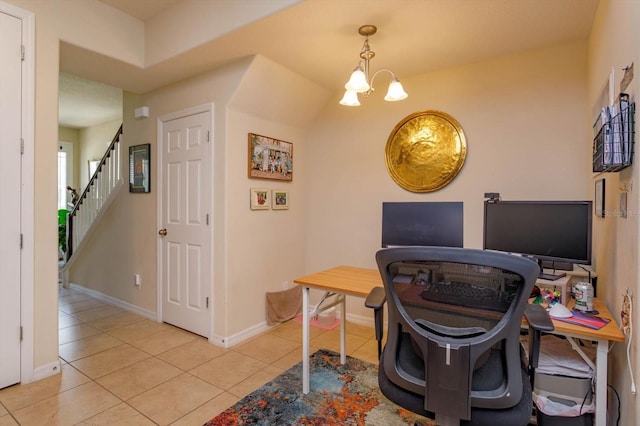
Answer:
x=465 y=294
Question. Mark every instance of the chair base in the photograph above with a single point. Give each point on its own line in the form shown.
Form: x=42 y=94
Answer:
x=519 y=415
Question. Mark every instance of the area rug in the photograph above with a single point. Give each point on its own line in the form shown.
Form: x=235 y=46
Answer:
x=340 y=395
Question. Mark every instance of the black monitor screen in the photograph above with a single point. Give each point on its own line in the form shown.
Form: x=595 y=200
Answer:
x=422 y=224
x=547 y=230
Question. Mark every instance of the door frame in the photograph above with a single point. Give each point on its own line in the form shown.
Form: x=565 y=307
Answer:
x=205 y=108
x=27 y=204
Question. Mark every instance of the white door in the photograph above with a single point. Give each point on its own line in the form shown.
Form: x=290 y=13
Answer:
x=10 y=172
x=185 y=217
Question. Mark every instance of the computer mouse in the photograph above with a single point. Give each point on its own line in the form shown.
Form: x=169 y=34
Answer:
x=558 y=310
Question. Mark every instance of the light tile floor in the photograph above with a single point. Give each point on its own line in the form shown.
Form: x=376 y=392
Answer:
x=121 y=368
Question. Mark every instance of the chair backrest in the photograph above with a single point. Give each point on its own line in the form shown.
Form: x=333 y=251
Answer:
x=461 y=311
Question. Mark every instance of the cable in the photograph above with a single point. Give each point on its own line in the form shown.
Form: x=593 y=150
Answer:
x=588 y=271
x=585 y=400
x=618 y=398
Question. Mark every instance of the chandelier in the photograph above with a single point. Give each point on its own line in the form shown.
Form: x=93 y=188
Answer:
x=360 y=82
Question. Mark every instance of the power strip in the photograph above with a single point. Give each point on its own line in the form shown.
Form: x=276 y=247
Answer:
x=626 y=317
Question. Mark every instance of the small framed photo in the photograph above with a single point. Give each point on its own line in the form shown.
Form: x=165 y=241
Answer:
x=139 y=168
x=260 y=199
x=599 y=198
x=280 y=199
x=270 y=158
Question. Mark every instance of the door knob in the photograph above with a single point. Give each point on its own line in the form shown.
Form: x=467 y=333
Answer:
x=162 y=232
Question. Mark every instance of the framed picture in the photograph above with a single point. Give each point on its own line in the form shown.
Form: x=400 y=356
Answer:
x=260 y=199
x=270 y=158
x=599 y=198
x=140 y=168
x=280 y=199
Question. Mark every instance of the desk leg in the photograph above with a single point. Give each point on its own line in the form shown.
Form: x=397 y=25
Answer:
x=305 y=340
x=602 y=353
x=343 y=330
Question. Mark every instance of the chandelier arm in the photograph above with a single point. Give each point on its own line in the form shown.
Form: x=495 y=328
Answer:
x=393 y=76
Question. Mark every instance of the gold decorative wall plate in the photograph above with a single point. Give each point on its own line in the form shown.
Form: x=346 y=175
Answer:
x=425 y=151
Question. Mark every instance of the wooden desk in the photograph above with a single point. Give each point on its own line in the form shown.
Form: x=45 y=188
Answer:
x=338 y=282
x=347 y=280
x=608 y=333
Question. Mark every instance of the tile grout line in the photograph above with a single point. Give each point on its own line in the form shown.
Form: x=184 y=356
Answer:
x=289 y=336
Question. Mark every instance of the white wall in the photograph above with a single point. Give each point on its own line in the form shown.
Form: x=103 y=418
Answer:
x=615 y=43
x=523 y=117
x=94 y=142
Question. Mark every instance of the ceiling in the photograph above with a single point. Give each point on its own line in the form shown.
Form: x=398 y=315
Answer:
x=142 y=9
x=319 y=39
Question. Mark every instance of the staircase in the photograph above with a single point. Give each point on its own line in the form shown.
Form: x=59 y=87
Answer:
x=96 y=197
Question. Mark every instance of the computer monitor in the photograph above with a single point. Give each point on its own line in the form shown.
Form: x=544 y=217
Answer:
x=422 y=224
x=555 y=231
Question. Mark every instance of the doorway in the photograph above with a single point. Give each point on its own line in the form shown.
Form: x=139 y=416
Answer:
x=185 y=219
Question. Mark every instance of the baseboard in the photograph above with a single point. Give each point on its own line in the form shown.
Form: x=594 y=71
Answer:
x=241 y=336
x=46 y=370
x=366 y=321
x=225 y=342
x=116 y=302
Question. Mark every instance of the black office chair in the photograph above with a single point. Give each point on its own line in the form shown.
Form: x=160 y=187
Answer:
x=453 y=350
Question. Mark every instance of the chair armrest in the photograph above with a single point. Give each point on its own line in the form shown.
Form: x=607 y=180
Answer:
x=375 y=298
x=538 y=318
x=539 y=322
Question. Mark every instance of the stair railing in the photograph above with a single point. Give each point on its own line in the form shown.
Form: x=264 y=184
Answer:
x=104 y=180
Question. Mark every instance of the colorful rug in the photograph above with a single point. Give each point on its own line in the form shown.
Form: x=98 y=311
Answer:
x=340 y=395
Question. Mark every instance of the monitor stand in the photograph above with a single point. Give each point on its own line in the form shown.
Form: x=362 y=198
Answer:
x=550 y=277
x=558 y=266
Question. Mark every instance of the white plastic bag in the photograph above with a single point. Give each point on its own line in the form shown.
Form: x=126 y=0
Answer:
x=553 y=408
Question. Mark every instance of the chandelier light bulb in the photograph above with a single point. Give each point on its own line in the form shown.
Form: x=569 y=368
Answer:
x=350 y=98
x=396 y=91
x=358 y=81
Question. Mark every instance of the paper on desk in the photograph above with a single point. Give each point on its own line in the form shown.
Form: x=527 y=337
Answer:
x=557 y=357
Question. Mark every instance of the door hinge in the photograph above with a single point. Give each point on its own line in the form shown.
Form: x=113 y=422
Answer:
x=207 y=302
x=208 y=136
x=207 y=218
x=21 y=146
x=21 y=241
x=22 y=52
x=21 y=333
